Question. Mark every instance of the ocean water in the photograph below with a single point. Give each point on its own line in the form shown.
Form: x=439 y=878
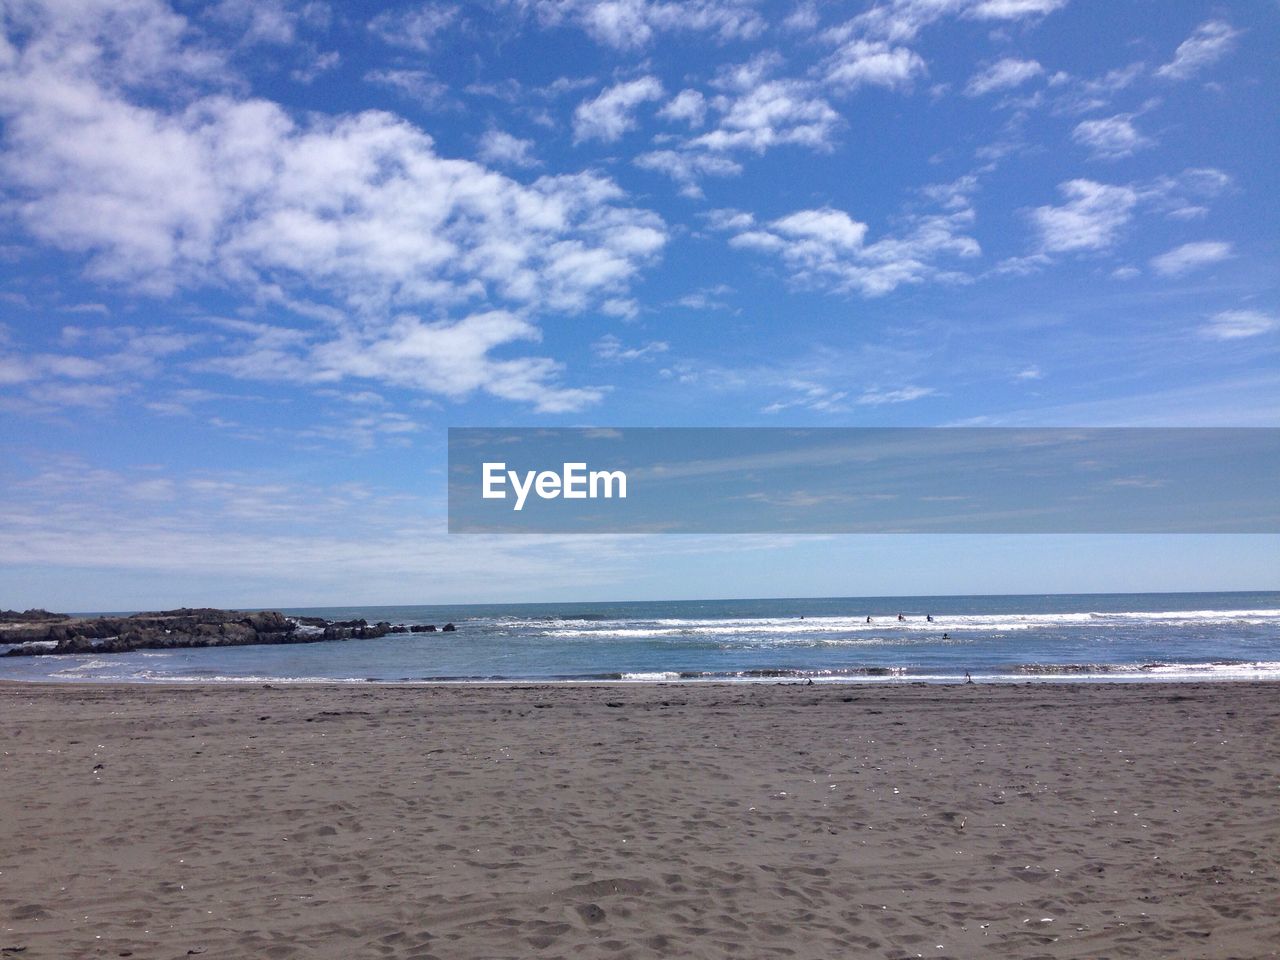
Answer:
x=1129 y=637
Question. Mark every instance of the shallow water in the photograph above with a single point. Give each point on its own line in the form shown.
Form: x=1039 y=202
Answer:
x=1114 y=636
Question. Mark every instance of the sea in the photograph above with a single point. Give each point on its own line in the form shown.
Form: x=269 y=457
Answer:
x=885 y=640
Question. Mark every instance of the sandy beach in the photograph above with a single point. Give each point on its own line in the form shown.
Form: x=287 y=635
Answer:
x=1078 y=820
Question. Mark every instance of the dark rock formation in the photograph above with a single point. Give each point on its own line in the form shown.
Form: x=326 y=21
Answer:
x=30 y=616
x=448 y=628
x=423 y=628
x=186 y=627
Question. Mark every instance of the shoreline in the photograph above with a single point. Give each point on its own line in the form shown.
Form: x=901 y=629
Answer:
x=877 y=682
x=640 y=820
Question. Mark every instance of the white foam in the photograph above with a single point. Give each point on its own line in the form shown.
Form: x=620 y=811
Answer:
x=652 y=677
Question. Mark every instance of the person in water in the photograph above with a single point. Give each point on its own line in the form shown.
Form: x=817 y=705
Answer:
x=946 y=636
x=868 y=619
x=929 y=617
x=901 y=617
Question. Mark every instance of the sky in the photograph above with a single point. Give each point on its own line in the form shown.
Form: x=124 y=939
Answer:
x=257 y=257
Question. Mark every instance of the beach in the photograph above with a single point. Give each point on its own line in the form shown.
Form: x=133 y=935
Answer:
x=640 y=820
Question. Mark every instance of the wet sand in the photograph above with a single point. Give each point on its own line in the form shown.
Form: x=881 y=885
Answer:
x=1079 y=820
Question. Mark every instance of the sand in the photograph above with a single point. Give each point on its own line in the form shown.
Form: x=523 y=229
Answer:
x=1081 y=820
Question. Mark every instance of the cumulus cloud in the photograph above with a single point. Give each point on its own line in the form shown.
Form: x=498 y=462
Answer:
x=768 y=114
x=1190 y=256
x=1002 y=75
x=1238 y=324
x=1208 y=44
x=347 y=218
x=626 y=24
x=453 y=359
x=1091 y=219
x=688 y=106
x=860 y=63
x=827 y=249
x=503 y=149
x=1111 y=138
x=611 y=114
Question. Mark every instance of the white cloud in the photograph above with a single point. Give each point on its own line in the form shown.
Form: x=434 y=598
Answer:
x=346 y=219
x=688 y=106
x=111 y=363
x=899 y=20
x=503 y=149
x=626 y=24
x=263 y=21
x=415 y=27
x=610 y=115
x=1238 y=324
x=1111 y=138
x=417 y=85
x=320 y=63
x=768 y=114
x=1002 y=75
x=1190 y=256
x=610 y=348
x=1091 y=219
x=803 y=18
x=827 y=248
x=448 y=358
x=687 y=168
x=1208 y=43
x=1013 y=9
x=860 y=63
x=878 y=397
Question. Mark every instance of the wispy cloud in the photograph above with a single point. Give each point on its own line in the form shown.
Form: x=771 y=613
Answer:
x=612 y=113
x=1239 y=324
x=1002 y=75
x=1208 y=43
x=416 y=27
x=1190 y=256
x=1110 y=138
x=626 y=24
x=1091 y=219
x=611 y=349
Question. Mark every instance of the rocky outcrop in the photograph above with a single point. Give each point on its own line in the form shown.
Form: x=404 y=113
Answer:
x=30 y=616
x=186 y=627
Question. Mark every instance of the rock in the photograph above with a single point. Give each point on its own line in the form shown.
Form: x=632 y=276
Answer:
x=183 y=627
x=74 y=644
x=34 y=615
x=448 y=628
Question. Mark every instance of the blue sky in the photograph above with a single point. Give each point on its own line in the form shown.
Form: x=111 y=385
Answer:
x=258 y=256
